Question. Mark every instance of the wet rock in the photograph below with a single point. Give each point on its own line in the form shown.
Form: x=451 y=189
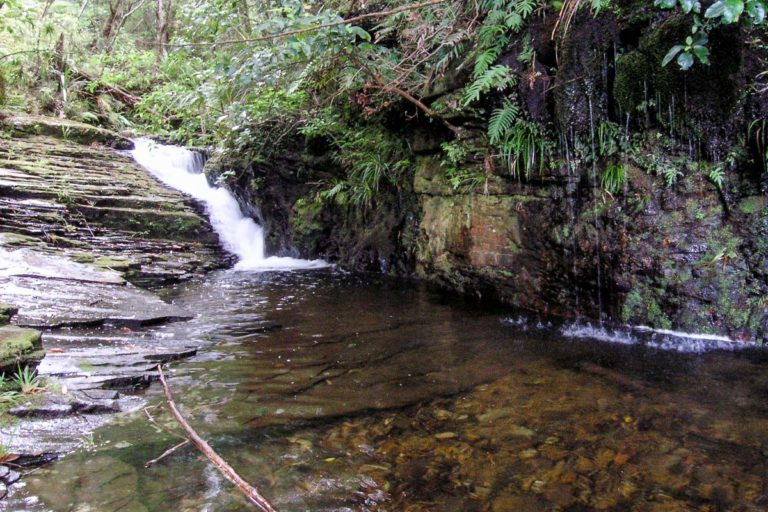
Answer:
x=54 y=303
x=11 y=478
x=84 y=133
x=57 y=194
x=45 y=410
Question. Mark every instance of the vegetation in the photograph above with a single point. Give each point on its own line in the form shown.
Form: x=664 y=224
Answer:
x=258 y=78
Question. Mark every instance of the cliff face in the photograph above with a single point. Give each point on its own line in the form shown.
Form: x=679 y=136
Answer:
x=668 y=246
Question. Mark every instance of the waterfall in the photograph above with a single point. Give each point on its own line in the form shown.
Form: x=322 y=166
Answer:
x=182 y=169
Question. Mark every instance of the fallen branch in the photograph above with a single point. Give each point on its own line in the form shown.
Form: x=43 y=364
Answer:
x=166 y=453
x=347 y=21
x=114 y=91
x=251 y=492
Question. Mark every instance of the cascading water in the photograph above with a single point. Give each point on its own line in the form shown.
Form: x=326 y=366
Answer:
x=181 y=169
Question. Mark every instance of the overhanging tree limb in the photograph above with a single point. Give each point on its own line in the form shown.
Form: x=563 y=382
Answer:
x=347 y=21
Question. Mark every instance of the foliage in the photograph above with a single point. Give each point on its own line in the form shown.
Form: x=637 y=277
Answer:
x=371 y=159
x=613 y=179
x=26 y=381
x=757 y=132
x=524 y=148
x=461 y=170
x=721 y=12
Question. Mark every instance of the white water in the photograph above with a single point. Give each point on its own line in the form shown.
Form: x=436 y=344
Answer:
x=181 y=169
x=664 y=339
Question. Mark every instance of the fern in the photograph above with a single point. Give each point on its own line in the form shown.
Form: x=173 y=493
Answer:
x=497 y=77
x=524 y=148
x=717 y=176
x=525 y=7
x=501 y=121
x=613 y=178
x=484 y=61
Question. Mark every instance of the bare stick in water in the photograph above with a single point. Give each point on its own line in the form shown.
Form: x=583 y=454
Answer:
x=251 y=492
x=166 y=453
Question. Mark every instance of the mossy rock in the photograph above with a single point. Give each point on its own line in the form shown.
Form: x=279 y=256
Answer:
x=698 y=103
x=118 y=264
x=63 y=129
x=19 y=347
x=19 y=240
x=6 y=313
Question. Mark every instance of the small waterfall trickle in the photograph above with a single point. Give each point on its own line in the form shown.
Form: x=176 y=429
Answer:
x=596 y=188
x=182 y=169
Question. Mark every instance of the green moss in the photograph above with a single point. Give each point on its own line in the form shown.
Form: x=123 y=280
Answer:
x=641 y=306
x=118 y=264
x=656 y=316
x=753 y=204
x=18 y=346
x=6 y=313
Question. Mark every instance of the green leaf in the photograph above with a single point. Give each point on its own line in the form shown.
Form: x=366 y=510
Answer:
x=690 y=5
x=501 y=121
x=671 y=54
x=715 y=10
x=665 y=4
x=685 y=60
x=702 y=52
x=728 y=10
x=756 y=11
x=361 y=33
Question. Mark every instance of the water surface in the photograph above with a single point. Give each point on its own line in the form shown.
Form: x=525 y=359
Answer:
x=338 y=392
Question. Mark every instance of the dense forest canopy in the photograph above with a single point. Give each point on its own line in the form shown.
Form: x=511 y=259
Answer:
x=251 y=76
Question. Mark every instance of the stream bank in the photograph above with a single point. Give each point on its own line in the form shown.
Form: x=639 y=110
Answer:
x=85 y=235
x=668 y=246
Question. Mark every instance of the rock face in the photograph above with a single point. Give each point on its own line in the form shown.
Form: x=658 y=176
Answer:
x=83 y=232
x=667 y=248
x=94 y=205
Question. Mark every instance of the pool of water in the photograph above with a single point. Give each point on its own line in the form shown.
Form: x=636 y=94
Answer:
x=339 y=392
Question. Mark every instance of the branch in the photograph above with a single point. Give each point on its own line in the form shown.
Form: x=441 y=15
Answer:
x=166 y=453
x=385 y=86
x=355 y=19
x=251 y=492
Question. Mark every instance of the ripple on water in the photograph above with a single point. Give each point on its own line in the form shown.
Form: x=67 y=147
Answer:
x=407 y=402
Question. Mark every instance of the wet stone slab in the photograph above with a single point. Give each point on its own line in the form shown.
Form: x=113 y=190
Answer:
x=52 y=303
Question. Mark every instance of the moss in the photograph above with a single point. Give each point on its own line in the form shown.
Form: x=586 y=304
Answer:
x=18 y=346
x=16 y=239
x=306 y=222
x=6 y=313
x=753 y=204
x=656 y=316
x=632 y=306
x=118 y=264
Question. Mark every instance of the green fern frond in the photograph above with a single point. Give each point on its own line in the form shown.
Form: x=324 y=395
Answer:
x=501 y=121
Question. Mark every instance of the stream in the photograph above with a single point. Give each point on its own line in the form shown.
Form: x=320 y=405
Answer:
x=333 y=391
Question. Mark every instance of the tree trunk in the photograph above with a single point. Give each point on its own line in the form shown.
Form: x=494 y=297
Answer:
x=114 y=10
x=162 y=29
x=245 y=16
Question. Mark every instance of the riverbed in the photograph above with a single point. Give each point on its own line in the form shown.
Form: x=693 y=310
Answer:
x=333 y=391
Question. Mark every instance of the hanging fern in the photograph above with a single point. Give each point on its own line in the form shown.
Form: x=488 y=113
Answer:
x=497 y=77
x=501 y=121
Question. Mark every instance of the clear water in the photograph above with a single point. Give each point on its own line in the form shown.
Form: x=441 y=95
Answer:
x=337 y=392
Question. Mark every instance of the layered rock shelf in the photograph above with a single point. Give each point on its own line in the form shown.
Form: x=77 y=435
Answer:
x=84 y=232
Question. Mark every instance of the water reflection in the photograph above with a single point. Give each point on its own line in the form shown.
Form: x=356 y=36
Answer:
x=340 y=392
